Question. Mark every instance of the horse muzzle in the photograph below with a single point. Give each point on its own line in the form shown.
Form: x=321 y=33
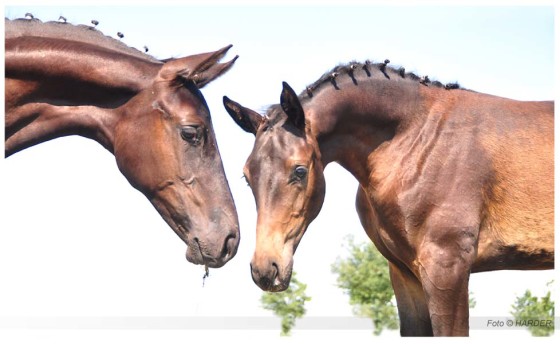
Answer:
x=269 y=276
x=212 y=253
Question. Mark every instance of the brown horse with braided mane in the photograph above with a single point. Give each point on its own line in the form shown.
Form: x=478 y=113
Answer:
x=451 y=182
x=64 y=80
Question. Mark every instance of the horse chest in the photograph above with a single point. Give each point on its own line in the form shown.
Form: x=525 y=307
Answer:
x=386 y=225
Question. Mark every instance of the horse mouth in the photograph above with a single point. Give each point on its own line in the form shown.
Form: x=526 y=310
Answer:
x=201 y=250
x=272 y=286
x=272 y=281
x=196 y=253
x=278 y=287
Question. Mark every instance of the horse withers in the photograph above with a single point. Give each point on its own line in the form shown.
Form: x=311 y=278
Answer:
x=64 y=80
x=451 y=182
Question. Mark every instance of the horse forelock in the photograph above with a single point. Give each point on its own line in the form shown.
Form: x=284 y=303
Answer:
x=70 y=32
x=274 y=114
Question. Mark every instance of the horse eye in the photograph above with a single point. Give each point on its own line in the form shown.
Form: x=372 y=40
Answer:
x=191 y=134
x=300 y=172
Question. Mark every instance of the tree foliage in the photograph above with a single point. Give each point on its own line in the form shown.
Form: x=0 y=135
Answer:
x=288 y=305
x=472 y=300
x=364 y=276
x=531 y=310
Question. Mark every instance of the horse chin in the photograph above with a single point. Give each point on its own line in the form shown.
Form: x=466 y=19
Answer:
x=279 y=287
x=195 y=252
x=196 y=256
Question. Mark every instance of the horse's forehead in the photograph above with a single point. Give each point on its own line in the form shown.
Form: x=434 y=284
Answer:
x=278 y=147
x=181 y=104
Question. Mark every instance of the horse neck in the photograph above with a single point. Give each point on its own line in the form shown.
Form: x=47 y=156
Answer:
x=44 y=59
x=57 y=88
x=351 y=121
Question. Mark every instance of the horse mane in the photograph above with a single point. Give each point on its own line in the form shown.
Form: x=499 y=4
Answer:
x=368 y=68
x=274 y=112
x=77 y=33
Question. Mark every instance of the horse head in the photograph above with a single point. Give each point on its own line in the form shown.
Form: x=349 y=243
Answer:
x=164 y=144
x=285 y=174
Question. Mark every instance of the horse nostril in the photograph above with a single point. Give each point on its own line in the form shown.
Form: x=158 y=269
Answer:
x=230 y=246
x=267 y=276
x=274 y=271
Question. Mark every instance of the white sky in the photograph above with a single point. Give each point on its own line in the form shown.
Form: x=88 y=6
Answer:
x=77 y=240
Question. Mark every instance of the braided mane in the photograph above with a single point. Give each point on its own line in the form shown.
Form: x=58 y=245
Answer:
x=368 y=68
x=78 y=33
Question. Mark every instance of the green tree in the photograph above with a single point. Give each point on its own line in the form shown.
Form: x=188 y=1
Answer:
x=529 y=308
x=288 y=304
x=364 y=275
x=472 y=300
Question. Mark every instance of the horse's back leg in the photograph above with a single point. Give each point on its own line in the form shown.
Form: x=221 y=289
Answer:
x=411 y=303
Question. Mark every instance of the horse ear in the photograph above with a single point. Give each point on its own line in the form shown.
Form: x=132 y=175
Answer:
x=247 y=119
x=291 y=105
x=203 y=78
x=200 y=69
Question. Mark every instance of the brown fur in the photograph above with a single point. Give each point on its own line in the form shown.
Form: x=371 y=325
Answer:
x=66 y=80
x=451 y=182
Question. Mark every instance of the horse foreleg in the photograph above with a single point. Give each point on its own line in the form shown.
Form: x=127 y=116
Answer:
x=411 y=303
x=444 y=261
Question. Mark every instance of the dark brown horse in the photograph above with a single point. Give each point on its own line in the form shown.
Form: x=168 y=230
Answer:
x=64 y=80
x=451 y=182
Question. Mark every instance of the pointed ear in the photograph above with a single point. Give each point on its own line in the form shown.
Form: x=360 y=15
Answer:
x=292 y=107
x=246 y=118
x=204 y=78
x=200 y=69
